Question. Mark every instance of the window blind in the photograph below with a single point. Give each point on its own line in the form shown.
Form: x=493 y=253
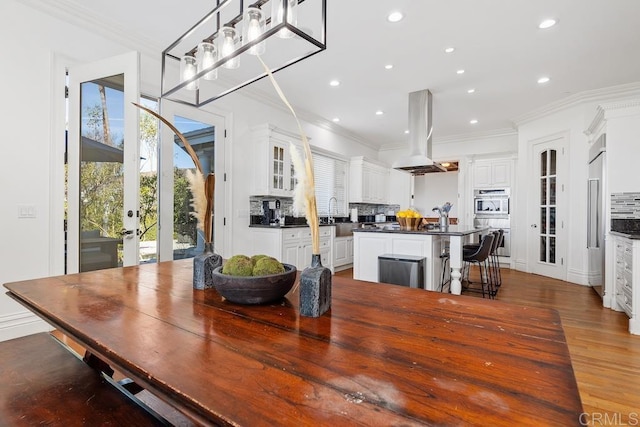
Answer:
x=331 y=178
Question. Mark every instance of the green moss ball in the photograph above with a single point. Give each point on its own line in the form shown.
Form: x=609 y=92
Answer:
x=238 y=265
x=255 y=258
x=267 y=265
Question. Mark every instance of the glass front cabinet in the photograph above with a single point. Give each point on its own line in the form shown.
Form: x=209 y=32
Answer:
x=273 y=171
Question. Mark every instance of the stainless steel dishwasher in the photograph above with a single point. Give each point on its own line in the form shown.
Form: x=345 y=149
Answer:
x=404 y=270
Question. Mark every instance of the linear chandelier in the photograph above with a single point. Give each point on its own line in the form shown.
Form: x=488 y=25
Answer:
x=217 y=55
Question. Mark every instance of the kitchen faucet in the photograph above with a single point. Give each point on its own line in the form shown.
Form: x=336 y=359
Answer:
x=331 y=219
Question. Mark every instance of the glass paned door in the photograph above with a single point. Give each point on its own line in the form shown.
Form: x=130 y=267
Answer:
x=102 y=168
x=189 y=241
x=179 y=236
x=101 y=173
x=547 y=237
x=547 y=218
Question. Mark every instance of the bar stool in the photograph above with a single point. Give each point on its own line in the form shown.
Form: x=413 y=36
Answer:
x=497 y=275
x=480 y=258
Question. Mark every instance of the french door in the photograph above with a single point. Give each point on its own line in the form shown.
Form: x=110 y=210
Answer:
x=178 y=235
x=547 y=232
x=103 y=162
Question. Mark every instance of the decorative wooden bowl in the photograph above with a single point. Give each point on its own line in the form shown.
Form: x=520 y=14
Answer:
x=254 y=289
x=409 y=223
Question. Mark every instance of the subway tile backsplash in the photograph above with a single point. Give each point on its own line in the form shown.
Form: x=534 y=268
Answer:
x=286 y=204
x=625 y=205
x=372 y=209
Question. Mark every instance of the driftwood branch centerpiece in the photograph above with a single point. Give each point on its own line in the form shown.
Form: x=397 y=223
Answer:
x=315 y=280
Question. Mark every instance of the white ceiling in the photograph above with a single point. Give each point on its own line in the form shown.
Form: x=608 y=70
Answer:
x=596 y=44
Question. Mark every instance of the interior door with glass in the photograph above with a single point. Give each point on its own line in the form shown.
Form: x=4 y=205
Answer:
x=547 y=238
x=103 y=163
x=179 y=236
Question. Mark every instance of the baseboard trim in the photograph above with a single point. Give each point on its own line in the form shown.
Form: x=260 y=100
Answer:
x=343 y=267
x=578 y=277
x=20 y=324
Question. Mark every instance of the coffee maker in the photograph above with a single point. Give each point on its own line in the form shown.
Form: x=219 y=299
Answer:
x=270 y=212
x=267 y=213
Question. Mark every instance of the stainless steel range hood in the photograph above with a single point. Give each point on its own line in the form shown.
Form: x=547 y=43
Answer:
x=420 y=127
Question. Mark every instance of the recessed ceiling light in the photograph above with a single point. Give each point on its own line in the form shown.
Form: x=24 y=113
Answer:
x=460 y=71
x=547 y=23
x=471 y=90
x=334 y=83
x=379 y=113
x=449 y=49
x=395 y=17
x=406 y=131
x=336 y=119
x=473 y=121
x=543 y=80
x=388 y=66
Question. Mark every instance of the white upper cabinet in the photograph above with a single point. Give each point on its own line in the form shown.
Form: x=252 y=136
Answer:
x=368 y=182
x=272 y=167
x=399 y=188
x=492 y=173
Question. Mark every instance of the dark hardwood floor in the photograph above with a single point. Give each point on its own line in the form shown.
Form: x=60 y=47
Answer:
x=605 y=357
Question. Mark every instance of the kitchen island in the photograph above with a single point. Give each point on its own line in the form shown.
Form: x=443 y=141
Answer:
x=370 y=243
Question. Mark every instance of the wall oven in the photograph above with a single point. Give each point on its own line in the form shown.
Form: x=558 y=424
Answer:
x=491 y=203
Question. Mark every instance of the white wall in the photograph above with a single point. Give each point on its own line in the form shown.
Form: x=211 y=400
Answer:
x=435 y=189
x=574 y=121
x=27 y=112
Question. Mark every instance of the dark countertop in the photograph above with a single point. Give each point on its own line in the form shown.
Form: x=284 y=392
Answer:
x=454 y=230
x=628 y=236
x=286 y=226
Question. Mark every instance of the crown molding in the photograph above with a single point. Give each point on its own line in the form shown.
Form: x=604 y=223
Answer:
x=497 y=133
x=84 y=17
x=603 y=94
x=608 y=110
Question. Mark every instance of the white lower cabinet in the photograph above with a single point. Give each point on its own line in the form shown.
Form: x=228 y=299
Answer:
x=626 y=276
x=342 y=251
x=293 y=245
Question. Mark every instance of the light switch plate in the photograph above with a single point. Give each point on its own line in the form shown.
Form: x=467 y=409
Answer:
x=26 y=211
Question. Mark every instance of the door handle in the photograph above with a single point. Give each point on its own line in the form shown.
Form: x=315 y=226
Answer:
x=534 y=225
x=124 y=232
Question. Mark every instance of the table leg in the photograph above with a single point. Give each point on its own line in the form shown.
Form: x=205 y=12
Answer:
x=455 y=258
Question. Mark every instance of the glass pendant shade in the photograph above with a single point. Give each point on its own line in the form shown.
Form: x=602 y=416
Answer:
x=207 y=56
x=188 y=69
x=253 y=27
x=277 y=16
x=227 y=40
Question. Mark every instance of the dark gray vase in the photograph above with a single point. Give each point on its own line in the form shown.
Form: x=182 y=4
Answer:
x=315 y=289
x=203 y=265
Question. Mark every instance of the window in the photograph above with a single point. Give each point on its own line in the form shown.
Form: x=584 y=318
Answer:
x=331 y=177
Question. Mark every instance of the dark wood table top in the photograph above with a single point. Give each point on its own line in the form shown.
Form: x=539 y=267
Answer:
x=383 y=354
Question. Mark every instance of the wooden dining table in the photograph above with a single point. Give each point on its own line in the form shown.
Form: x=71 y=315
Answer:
x=382 y=355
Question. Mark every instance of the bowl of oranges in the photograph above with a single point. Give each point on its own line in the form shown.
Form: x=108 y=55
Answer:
x=408 y=219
